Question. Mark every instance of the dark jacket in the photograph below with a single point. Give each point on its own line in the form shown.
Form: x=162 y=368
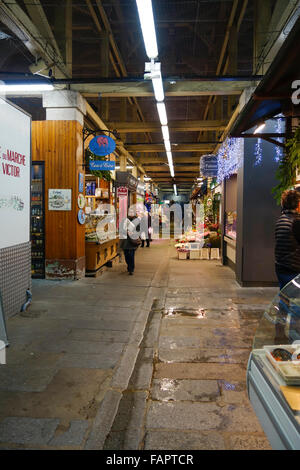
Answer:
x=126 y=243
x=287 y=242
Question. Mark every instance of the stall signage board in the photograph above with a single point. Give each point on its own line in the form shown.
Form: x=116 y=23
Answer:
x=60 y=200
x=122 y=191
x=102 y=165
x=15 y=160
x=102 y=145
x=209 y=166
x=127 y=179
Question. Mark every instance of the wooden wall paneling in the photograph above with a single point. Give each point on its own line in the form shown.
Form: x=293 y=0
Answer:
x=59 y=145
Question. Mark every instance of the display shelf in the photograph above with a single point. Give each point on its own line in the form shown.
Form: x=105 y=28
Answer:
x=37 y=221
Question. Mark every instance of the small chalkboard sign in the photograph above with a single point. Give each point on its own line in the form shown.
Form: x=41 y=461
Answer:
x=3 y=332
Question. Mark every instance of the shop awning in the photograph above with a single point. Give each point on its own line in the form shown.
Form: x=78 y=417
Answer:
x=274 y=93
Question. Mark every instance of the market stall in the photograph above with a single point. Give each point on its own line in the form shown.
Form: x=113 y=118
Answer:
x=101 y=241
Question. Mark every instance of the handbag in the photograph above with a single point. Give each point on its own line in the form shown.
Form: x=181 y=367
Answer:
x=135 y=241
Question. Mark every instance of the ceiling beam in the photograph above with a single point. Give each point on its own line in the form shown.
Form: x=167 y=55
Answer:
x=178 y=169
x=145 y=161
x=188 y=147
x=124 y=89
x=37 y=15
x=12 y=15
x=175 y=126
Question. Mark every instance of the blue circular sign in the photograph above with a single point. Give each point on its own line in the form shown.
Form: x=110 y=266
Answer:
x=81 y=217
x=102 y=145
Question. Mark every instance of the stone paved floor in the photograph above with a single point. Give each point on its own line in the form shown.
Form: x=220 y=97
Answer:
x=153 y=361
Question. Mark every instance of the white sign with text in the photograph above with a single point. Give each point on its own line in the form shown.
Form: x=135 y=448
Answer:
x=15 y=147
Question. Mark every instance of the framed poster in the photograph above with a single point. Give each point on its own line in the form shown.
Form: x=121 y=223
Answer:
x=60 y=200
x=15 y=160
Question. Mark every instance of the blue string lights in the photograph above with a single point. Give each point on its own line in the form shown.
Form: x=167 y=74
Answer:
x=279 y=129
x=230 y=157
x=258 y=152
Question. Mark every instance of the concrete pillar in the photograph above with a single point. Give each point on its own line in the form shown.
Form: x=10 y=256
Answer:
x=64 y=105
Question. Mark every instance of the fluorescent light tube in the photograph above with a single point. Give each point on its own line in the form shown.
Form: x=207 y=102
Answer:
x=161 y=108
x=148 y=27
x=165 y=133
x=172 y=172
x=170 y=157
x=158 y=88
x=260 y=128
x=167 y=146
x=175 y=189
x=25 y=87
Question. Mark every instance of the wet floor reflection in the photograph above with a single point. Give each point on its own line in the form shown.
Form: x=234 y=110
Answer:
x=174 y=312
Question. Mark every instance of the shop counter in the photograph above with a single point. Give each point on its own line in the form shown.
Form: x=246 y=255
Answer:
x=98 y=254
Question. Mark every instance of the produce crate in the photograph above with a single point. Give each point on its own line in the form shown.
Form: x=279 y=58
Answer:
x=204 y=253
x=195 y=254
x=182 y=255
x=215 y=253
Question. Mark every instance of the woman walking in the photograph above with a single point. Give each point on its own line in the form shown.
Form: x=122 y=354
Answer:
x=130 y=244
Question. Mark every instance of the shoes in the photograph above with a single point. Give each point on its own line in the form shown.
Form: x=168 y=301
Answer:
x=130 y=273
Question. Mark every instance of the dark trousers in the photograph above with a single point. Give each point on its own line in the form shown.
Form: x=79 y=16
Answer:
x=147 y=241
x=280 y=335
x=284 y=278
x=129 y=258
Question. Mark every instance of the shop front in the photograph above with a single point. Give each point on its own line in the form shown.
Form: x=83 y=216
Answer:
x=73 y=192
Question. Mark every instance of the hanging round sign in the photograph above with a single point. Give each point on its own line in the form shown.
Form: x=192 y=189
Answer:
x=81 y=201
x=102 y=145
x=81 y=217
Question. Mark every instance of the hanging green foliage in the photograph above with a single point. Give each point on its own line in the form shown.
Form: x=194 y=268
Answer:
x=105 y=175
x=286 y=173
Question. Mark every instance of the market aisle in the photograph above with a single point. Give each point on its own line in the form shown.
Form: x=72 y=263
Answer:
x=72 y=354
x=196 y=397
x=158 y=359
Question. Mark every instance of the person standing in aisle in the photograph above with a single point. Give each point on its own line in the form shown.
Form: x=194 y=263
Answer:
x=287 y=238
x=146 y=229
x=130 y=244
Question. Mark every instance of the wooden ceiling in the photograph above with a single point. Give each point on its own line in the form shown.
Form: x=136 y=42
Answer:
x=101 y=41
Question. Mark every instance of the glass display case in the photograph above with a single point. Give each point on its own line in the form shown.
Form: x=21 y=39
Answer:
x=100 y=228
x=37 y=221
x=230 y=224
x=273 y=375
